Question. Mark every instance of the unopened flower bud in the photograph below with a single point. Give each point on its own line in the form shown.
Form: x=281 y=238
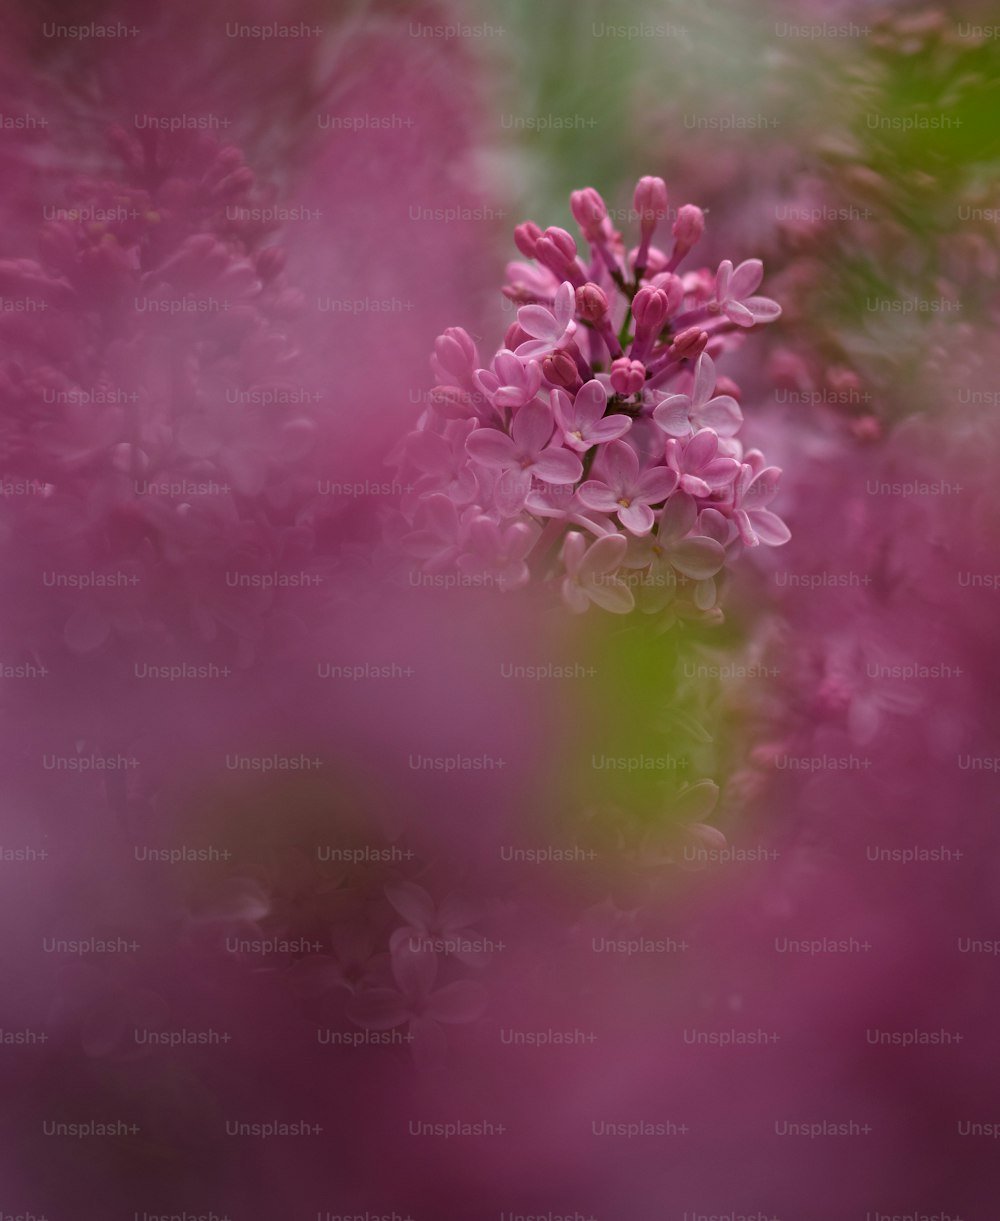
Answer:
x=689 y=226
x=627 y=376
x=589 y=211
x=689 y=344
x=525 y=237
x=515 y=337
x=556 y=250
x=560 y=369
x=650 y=308
x=650 y=203
x=591 y=302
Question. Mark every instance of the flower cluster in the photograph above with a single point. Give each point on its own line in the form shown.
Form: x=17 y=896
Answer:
x=154 y=401
x=599 y=447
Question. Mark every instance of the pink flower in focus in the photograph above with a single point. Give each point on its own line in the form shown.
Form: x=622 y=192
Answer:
x=625 y=491
x=530 y=450
x=732 y=294
x=755 y=522
x=582 y=418
x=678 y=414
x=700 y=469
x=549 y=328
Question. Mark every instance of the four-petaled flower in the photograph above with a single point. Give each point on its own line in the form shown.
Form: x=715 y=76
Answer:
x=674 y=550
x=627 y=491
x=549 y=328
x=679 y=414
x=582 y=419
x=753 y=492
x=530 y=450
x=498 y=552
x=732 y=294
x=591 y=574
x=700 y=469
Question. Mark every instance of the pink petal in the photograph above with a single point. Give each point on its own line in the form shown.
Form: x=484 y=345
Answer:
x=738 y=313
x=637 y=518
x=672 y=415
x=534 y=347
x=603 y=556
x=612 y=596
x=746 y=278
x=656 y=484
x=699 y=558
x=720 y=472
x=565 y=305
x=677 y=519
x=609 y=429
x=620 y=465
x=701 y=449
x=558 y=466
x=591 y=401
x=598 y=496
x=518 y=541
x=491 y=447
x=763 y=309
x=574 y=597
x=563 y=409
x=485 y=539
x=770 y=528
x=723 y=414
x=538 y=322
x=722 y=279
x=704 y=380
x=533 y=426
x=573 y=552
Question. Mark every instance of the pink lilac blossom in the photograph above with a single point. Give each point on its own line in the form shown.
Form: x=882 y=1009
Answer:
x=601 y=414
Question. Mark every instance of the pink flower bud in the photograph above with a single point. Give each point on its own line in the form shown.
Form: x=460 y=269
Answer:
x=525 y=237
x=866 y=428
x=591 y=302
x=689 y=344
x=515 y=337
x=589 y=211
x=455 y=356
x=627 y=376
x=556 y=250
x=650 y=203
x=560 y=369
x=650 y=308
x=726 y=385
x=673 y=286
x=689 y=226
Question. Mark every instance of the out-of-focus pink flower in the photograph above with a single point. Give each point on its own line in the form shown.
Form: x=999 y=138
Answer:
x=414 y=1002
x=591 y=574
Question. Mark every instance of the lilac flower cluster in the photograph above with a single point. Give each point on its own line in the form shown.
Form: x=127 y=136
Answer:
x=599 y=447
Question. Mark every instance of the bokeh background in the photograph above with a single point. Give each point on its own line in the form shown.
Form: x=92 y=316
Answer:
x=711 y=912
